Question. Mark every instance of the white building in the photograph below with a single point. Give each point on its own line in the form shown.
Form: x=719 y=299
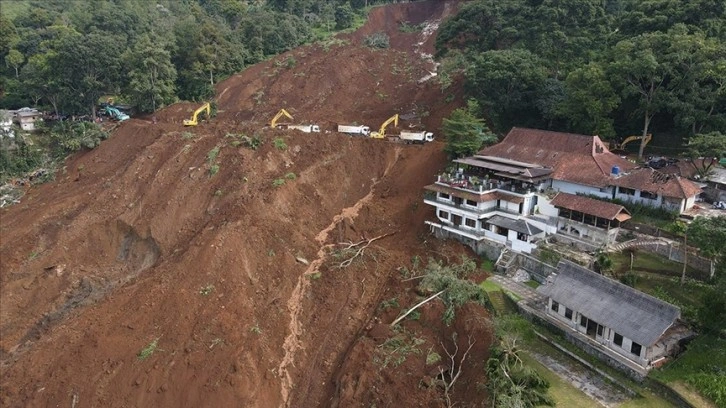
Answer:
x=504 y=194
x=620 y=319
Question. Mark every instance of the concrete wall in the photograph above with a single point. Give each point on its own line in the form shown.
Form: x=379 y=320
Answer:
x=537 y=269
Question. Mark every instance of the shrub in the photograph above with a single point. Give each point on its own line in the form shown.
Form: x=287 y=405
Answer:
x=377 y=40
x=279 y=143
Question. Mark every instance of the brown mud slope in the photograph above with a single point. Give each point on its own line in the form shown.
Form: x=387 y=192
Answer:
x=176 y=267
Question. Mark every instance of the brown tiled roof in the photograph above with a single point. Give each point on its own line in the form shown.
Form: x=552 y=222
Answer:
x=577 y=158
x=653 y=181
x=591 y=206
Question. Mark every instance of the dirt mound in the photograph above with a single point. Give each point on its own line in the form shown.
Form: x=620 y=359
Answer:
x=178 y=266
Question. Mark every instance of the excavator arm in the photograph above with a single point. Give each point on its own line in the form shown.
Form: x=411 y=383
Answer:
x=193 y=121
x=382 y=131
x=634 y=138
x=277 y=117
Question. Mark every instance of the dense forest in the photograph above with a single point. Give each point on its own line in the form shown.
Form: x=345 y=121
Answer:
x=65 y=54
x=608 y=67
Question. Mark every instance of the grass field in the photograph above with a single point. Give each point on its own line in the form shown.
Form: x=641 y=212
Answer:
x=564 y=393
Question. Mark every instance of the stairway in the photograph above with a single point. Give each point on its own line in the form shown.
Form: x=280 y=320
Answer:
x=504 y=261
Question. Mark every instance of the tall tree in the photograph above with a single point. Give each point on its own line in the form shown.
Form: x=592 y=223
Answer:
x=465 y=132
x=151 y=75
x=705 y=150
x=589 y=101
x=641 y=65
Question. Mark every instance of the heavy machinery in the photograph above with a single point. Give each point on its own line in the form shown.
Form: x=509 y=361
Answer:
x=302 y=128
x=113 y=112
x=354 y=130
x=193 y=121
x=629 y=139
x=381 y=134
x=281 y=113
x=416 y=137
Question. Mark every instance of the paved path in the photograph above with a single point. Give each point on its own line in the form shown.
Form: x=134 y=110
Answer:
x=523 y=291
x=636 y=243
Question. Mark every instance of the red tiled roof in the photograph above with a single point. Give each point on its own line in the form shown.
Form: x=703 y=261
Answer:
x=653 y=181
x=576 y=158
x=591 y=206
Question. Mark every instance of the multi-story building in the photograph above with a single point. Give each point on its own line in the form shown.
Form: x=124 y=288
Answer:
x=538 y=182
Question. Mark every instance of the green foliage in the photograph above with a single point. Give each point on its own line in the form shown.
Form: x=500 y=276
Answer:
x=213 y=169
x=395 y=350
x=212 y=155
x=704 y=151
x=206 y=290
x=405 y=27
x=147 y=351
x=279 y=143
x=452 y=279
x=19 y=159
x=548 y=256
x=377 y=40
x=67 y=137
x=344 y=16
x=151 y=75
x=510 y=382
x=278 y=182
x=432 y=357
x=606 y=68
x=465 y=133
x=702 y=366
x=391 y=303
x=290 y=176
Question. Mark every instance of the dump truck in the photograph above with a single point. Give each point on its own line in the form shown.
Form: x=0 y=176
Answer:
x=354 y=130
x=302 y=128
x=415 y=137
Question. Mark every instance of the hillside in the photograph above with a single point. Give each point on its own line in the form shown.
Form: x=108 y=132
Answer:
x=174 y=266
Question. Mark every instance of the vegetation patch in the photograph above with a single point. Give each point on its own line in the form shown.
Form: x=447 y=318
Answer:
x=147 y=351
x=395 y=350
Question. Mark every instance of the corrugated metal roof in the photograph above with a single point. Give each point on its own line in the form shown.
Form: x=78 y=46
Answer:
x=514 y=225
x=634 y=314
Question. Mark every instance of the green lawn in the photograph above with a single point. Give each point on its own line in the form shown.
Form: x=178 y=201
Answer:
x=648 y=262
x=490 y=286
x=532 y=284
x=564 y=393
x=702 y=365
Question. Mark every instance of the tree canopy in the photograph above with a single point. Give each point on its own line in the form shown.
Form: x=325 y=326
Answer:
x=63 y=55
x=614 y=68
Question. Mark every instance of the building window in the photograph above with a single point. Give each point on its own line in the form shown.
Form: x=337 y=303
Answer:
x=443 y=214
x=444 y=196
x=470 y=223
x=583 y=321
x=599 y=330
x=618 y=340
x=470 y=203
x=555 y=307
x=650 y=196
x=626 y=191
x=568 y=313
x=635 y=348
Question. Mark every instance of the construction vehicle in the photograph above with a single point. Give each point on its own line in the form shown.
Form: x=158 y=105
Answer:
x=629 y=139
x=381 y=134
x=302 y=128
x=113 y=112
x=354 y=130
x=193 y=121
x=416 y=137
x=281 y=113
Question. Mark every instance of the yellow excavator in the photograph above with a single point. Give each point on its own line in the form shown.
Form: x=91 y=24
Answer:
x=629 y=139
x=381 y=134
x=281 y=113
x=193 y=121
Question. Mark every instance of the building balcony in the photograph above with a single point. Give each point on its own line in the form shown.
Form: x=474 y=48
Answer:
x=479 y=185
x=475 y=212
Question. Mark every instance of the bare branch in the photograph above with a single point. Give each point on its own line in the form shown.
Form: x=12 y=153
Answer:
x=360 y=248
x=414 y=308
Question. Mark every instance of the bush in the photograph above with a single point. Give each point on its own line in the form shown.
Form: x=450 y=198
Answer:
x=377 y=40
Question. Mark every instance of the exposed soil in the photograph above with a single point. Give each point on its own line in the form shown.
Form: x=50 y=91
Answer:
x=227 y=258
